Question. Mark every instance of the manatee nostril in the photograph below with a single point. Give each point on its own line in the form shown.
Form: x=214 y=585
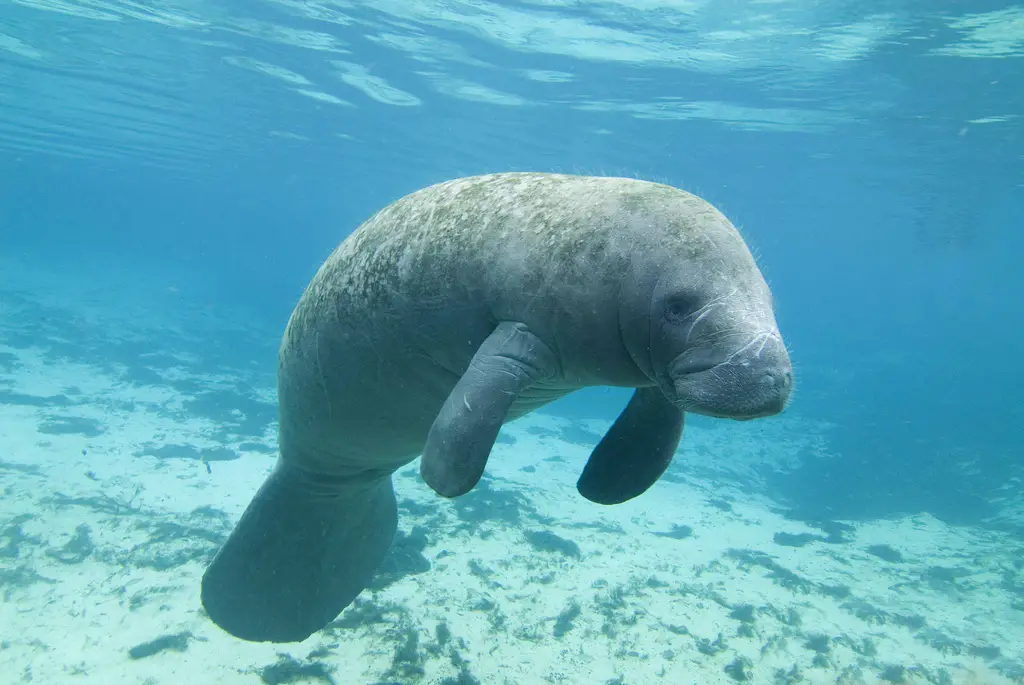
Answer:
x=778 y=381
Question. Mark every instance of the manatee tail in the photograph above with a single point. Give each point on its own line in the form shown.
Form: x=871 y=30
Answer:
x=297 y=557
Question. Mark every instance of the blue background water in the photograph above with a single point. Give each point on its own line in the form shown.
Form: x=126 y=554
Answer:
x=871 y=152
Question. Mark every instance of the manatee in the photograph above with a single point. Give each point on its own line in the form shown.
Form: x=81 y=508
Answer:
x=463 y=306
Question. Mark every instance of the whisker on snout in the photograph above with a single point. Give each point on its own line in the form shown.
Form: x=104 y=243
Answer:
x=761 y=338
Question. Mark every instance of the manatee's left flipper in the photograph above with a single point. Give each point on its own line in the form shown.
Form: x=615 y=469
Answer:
x=509 y=361
x=636 y=450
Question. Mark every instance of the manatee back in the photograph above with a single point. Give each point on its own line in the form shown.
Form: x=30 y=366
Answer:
x=530 y=228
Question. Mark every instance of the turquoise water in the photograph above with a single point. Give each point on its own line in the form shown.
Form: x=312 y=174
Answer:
x=172 y=175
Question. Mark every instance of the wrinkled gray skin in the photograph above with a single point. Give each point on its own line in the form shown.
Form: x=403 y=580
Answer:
x=463 y=306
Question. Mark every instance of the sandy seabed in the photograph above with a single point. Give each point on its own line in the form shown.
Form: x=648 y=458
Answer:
x=133 y=439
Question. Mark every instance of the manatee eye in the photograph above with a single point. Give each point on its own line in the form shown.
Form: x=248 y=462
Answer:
x=679 y=307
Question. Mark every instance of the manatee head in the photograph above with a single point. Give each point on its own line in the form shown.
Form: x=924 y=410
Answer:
x=714 y=346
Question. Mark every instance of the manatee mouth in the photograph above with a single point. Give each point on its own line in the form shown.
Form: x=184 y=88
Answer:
x=696 y=362
x=753 y=382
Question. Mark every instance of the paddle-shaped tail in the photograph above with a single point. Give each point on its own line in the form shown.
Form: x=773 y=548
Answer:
x=298 y=556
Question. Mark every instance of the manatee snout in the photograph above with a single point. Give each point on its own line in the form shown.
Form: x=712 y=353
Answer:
x=748 y=382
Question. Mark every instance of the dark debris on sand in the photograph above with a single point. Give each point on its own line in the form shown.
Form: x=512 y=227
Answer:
x=176 y=642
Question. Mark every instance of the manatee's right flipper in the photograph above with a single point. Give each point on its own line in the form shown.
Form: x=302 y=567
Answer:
x=635 y=451
x=460 y=440
x=299 y=555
